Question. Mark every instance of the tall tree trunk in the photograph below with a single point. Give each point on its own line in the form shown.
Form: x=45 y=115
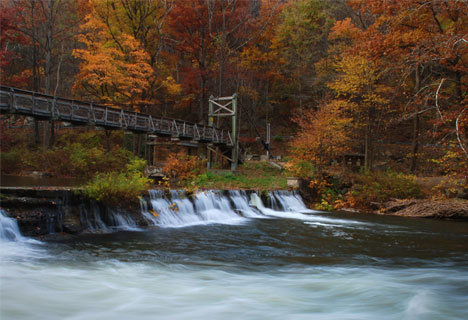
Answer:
x=52 y=133
x=137 y=139
x=108 y=144
x=415 y=142
x=37 y=133
x=202 y=101
x=135 y=142
x=35 y=74
x=368 y=147
x=49 y=128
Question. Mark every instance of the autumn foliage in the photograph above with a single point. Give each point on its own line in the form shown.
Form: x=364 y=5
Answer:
x=385 y=81
x=181 y=168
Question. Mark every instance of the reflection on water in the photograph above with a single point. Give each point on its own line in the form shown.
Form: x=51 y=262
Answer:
x=33 y=181
x=296 y=266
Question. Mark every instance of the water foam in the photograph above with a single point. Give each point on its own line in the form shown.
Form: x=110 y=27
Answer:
x=9 y=230
x=13 y=245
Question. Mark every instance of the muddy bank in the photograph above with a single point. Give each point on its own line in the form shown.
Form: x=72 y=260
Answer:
x=436 y=209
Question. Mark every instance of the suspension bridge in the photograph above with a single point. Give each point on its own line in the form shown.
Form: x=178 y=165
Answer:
x=47 y=107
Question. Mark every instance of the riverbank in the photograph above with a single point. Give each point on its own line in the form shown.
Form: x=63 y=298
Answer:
x=436 y=209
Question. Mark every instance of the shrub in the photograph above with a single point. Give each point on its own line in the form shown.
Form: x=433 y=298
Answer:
x=183 y=168
x=117 y=187
x=10 y=161
x=301 y=169
x=381 y=187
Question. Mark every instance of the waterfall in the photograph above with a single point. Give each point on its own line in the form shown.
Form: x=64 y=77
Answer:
x=176 y=209
x=121 y=221
x=9 y=230
x=240 y=199
x=206 y=207
x=286 y=204
x=288 y=201
x=172 y=209
x=94 y=219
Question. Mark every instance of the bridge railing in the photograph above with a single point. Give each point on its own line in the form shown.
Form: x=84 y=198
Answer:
x=13 y=100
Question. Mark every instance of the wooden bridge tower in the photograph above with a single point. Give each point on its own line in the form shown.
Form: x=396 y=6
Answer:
x=225 y=107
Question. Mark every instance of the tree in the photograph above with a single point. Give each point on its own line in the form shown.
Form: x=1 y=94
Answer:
x=10 y=39
x=207 y=37
x=46 y=29
x=302 y=39
x=114 y=68
x=323 y=136
x=359 y=88
x=424 y=42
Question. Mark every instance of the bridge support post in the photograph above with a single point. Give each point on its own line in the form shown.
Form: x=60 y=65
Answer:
x=227 y=109
x=235 y=135
x=209 y=164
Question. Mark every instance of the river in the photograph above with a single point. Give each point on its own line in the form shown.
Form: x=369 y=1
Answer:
x=265 y=264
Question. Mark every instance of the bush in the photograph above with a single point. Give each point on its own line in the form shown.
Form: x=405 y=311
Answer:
x=117 y=187
x=381 y=187
x=75 y=154
x=183 y=168
x=10 y=161
x=301 y=169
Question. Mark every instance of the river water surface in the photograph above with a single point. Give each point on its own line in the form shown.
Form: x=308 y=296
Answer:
x=275 y=265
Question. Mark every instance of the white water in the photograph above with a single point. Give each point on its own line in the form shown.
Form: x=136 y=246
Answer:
x=208 y=207
x=13 y=246
x=9 y=230
x=116 y=290
x=212 y=207
x=117 y=220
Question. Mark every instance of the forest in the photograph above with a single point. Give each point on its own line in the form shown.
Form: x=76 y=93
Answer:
x=384 y=82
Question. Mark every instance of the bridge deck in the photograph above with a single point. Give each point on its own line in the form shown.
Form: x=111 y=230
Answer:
x=41 y=106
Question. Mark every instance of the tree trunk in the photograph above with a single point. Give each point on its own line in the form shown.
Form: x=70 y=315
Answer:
x=52 y=133
x=49 y=128
x=46 y=134
x=108 y=144
x=35 y=74
x=415 y=142
x=139 y=140
x=368 y=148
x=37 y=134
x=135 y=142
x=202 y=101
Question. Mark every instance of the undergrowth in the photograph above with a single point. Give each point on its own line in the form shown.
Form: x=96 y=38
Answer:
x=119 y=187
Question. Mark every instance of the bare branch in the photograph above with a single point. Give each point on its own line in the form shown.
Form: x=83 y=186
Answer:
x=461 y=40
x=458 y=133
x=437 y=99
x=58 y=72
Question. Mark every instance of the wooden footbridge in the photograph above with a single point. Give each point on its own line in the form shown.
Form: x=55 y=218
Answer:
x=46 y=107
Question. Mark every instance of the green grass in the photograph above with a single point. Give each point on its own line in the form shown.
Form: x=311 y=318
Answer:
x=251 y=175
